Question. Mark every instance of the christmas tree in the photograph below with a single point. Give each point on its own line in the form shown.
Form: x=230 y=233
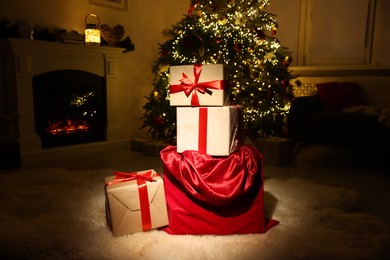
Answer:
x=241 y=35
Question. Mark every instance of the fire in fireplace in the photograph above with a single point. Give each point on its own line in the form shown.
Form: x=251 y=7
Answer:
x=69 y=107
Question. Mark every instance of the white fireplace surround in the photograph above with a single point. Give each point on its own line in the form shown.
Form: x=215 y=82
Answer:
x=23 y=59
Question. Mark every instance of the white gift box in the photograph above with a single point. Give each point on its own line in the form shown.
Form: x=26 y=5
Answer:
x=208 y=130
x=199 y=85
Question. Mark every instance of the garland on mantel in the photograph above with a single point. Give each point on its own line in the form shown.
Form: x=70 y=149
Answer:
x=12 y=30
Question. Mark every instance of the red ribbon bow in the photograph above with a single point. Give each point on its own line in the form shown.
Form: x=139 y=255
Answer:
x=204 y=87
x=142 y=192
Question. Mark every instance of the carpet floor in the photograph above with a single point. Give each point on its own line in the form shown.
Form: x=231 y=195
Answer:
x=56 y=213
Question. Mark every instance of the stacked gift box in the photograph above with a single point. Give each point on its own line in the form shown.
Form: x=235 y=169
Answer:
x=205 y=121
x=211 y=184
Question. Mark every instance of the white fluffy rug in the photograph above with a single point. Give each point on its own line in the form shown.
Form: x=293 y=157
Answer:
x=59 y=214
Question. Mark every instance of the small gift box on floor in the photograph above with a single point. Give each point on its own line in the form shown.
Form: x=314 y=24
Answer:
x=199 y=85
x=135 y=202
x=209 y=195
x=209 y=130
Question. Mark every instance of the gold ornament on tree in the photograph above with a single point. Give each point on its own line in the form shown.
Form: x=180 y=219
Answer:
x=222 y=20
x=255 y=74
x=163 y=69
x=240 y=20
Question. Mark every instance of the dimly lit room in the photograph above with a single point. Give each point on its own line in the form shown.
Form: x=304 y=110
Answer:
x=194 y=129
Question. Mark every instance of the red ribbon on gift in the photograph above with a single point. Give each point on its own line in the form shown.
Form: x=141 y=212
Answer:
x=204 y=87
x=141 y=178
x=202 y=135
x=202 y=129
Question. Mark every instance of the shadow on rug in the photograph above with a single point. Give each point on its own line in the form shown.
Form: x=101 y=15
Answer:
x=55 y=213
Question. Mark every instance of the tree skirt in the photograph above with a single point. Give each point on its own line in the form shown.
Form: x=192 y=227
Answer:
x=55 y=213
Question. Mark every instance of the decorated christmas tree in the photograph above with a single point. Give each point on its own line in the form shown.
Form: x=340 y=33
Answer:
x=241 y=35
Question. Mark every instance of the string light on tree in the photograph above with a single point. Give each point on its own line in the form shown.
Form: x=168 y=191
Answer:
x=241 y=35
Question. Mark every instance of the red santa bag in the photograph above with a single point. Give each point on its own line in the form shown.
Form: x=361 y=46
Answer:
x=215 y=195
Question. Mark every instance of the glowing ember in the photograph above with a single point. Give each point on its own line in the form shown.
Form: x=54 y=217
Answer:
x=68 y=127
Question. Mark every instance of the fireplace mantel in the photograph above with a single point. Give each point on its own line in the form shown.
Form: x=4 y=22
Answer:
x=22 y=59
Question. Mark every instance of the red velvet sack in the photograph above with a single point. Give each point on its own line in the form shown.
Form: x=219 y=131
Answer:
x=215 y=195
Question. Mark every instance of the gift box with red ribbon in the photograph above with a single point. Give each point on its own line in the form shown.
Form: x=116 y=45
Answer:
x=215 y=195
x=135 y=201
x=199 y=85
x=209 y=130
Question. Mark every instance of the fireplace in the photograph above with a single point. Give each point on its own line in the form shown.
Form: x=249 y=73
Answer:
x=43 y=78
x=69 y=107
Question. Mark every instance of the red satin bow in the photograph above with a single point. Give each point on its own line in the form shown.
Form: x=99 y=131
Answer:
x=142 y=192
x=204 y=87
x=129 y=176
